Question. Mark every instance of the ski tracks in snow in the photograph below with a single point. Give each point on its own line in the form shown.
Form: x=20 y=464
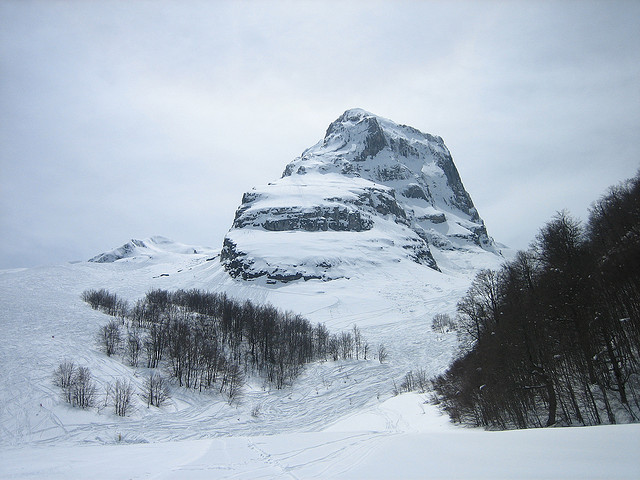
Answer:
x=316 y=456
x=272 y=461
x=42 y=308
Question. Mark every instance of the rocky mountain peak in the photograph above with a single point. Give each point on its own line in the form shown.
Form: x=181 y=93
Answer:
x=362 y=144
x=368 y=174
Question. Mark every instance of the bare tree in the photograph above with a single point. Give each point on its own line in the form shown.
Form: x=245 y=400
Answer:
x=108 y=394
x=107 y=302
x=442 y=323
x=156 y=390
x=235 y=382
x=201 y=335
x=333 y=347
x=109 y=337
x=382 y=353
x=133 y=346
x=63 y=377
x=83 y=390
x=357 y=340
x=408 y=382
x=155 y=344
x=421 y=380
x=413 y=381
x=346 y=344
x=121 y=310
x=122 y=393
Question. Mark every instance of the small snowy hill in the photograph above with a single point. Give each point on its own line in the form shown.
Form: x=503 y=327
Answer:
x=371 y=193
x=148 y=248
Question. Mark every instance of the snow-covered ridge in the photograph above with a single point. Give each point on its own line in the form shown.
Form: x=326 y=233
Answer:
x=371 y=192
x=147 y=248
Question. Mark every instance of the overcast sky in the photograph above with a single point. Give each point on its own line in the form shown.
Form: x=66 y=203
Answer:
x=124 y=120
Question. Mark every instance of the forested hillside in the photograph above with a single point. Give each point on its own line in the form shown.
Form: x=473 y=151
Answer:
x=553 y=337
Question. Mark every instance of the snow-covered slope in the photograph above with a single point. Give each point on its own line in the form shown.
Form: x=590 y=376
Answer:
x=44 y=321
x=375 y=450
x=370 y=193
x=338 y=420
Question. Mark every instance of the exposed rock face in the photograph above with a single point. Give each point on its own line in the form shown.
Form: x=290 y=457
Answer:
x=370 y=186
x=312 y=219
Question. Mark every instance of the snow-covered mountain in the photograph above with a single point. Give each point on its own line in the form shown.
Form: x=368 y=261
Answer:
x=401 y=240
x=337 y=213
x=371 y=193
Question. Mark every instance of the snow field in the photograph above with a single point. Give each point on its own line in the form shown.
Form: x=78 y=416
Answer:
x=339 y=419
x=45 y=322
x=431 y=450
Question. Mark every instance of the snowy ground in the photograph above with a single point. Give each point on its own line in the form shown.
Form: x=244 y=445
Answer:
x=400 y=438
x=340 y=419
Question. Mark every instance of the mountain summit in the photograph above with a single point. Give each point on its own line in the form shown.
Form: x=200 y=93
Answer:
x=369 y=193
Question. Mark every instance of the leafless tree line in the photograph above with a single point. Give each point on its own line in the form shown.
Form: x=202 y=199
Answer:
x=208 y=340
x=553 y=337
